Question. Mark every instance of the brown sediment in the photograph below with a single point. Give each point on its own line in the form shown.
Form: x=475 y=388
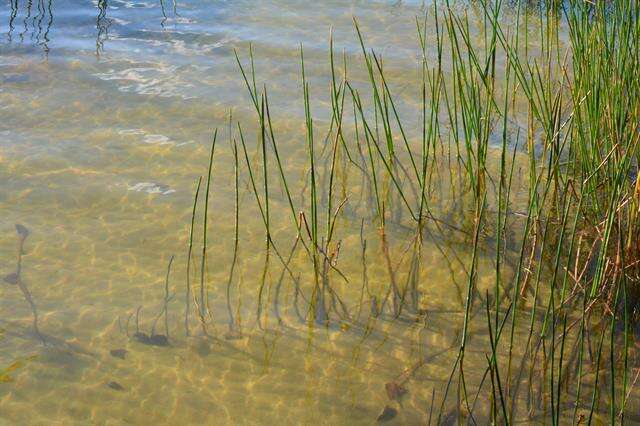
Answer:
x=394 y=390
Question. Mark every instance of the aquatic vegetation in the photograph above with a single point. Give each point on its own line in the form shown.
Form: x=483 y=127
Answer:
x=187 y=302
x=165 y=306
x=152 y=338
x=573 y=153
x=438 y=229
x=202 y=303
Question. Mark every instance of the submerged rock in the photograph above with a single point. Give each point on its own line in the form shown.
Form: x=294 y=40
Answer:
x=153 y=340
x=115 y=386
x=158 y=340
x=118 y=353
x=141 y=338
x=387 y=414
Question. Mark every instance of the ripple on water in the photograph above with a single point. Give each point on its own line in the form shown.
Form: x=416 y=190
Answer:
x=151 y=188
x=153 y=138
x=163 y=81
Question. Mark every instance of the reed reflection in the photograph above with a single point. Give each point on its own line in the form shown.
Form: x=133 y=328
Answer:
x=35 y=28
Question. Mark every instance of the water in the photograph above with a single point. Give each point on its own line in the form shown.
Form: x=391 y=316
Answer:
x=107 y=114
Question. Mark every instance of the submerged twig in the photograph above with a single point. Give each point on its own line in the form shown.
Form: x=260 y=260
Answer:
x=15 y=278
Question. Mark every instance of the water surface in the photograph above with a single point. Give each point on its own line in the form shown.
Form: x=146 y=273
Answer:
x=107 y=111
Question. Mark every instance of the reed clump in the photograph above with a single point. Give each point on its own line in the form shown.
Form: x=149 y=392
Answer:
x=526 y=151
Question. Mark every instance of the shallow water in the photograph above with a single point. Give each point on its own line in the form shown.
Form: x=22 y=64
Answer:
x=106 y=118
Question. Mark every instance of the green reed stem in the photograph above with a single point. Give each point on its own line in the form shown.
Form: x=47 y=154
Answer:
x=189 y=252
